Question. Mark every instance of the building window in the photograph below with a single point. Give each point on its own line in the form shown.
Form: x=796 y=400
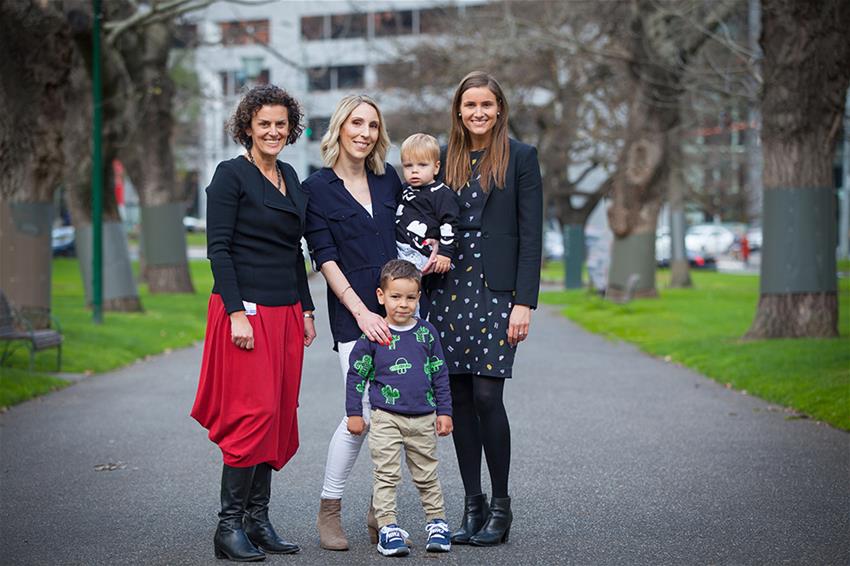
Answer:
x=234 y=82
x=331 y=78
x=397 y=22
x=313 y=27
x=348 y=26
x=434 y=20
x=245 y=32
x=316 y=128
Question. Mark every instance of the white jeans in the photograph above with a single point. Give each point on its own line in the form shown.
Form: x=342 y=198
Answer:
x=344 y=447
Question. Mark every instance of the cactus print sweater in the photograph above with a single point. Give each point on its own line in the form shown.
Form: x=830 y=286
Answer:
x=409 y=376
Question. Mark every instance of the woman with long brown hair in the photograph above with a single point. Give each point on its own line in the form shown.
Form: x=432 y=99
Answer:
x=482 y=307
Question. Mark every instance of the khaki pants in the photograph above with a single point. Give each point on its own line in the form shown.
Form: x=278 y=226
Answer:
x=388 y=432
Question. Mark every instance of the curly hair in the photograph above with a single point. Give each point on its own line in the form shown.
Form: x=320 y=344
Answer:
x=256 y=98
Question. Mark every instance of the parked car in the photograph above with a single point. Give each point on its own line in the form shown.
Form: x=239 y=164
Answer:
x=553 y=241
x=754 y=238
x=711 y=239
x=663 y=253
x=62 y=240
x=193 y=224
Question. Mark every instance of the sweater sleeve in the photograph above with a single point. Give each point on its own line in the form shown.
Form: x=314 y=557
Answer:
x=222 y=212
x=440 y=379
x=361 y=369
x=446 y=211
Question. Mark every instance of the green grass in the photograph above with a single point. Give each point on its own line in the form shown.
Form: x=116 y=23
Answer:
x=18 y=385
x=702 y=327
x=168 y=322
x=196 y=239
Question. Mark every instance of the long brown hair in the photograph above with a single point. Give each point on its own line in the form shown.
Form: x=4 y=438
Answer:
x=494 y=164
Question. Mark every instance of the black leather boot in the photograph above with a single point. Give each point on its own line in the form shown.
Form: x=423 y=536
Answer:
x=230 y=540
x=475 y=513
x=498 y=527
x=257 y=525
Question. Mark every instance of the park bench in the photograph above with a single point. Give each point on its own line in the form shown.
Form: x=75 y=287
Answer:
x=16 y=329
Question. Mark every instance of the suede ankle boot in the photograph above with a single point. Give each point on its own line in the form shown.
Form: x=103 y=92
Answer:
x=230 y=540
x=329 y=523
x=475 y=514
x=498 y=527
x=257 y=525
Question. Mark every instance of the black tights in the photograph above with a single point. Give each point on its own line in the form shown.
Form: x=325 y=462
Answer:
x=480 y=420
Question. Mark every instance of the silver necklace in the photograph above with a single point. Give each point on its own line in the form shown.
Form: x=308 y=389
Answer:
x=276 y=170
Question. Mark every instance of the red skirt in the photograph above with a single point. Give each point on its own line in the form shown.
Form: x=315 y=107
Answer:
x=248 y=399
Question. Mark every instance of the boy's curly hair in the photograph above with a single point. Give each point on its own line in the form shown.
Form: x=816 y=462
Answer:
x=256 y=98
x=400 y=269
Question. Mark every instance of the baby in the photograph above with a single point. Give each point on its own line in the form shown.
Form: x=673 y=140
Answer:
x=428 y=208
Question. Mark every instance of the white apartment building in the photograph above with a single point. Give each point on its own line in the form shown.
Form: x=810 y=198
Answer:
x=318 y=51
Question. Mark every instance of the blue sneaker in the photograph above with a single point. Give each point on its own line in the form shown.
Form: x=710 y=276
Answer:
x=439 y=537
x=391 y=541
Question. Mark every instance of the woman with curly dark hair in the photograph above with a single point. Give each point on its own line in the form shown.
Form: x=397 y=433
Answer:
x=259 y=320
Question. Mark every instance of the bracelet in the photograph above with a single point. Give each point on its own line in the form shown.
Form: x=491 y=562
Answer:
x=309 y=315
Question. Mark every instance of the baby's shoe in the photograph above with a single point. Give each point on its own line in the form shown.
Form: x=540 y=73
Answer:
x=439 y=536
x=391 y=541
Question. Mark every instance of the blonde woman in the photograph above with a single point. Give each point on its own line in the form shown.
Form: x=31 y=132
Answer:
x=351 y=235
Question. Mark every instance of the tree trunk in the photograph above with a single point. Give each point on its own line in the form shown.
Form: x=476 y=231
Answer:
x=150 y=161
x=680 y=271
x=806 y=76
x=637 y=198
x=33 y=74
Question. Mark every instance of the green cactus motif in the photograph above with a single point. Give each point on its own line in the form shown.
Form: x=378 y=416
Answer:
x=361 y=387
x=394 y=341
x=432 y=366
x=401 y=366
x=422 y=333
x=365 y=367
x=429 y=395
x=390 y=394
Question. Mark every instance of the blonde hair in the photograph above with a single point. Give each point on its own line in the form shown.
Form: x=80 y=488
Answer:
x=421 y=145
x=494 y=163
x=376 y=160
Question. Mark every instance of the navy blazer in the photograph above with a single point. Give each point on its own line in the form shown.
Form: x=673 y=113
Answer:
x=254 y=237
x=339 y=229
x=512 y=227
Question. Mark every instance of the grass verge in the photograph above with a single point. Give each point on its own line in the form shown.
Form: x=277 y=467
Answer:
x=168 y=322
x=701 y=328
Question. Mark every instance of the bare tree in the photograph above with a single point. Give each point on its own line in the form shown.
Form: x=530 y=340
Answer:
x=664 y=37
x=806 y=76
x=563 y=99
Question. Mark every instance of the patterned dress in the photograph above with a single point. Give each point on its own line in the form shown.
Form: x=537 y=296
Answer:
x=472 y=320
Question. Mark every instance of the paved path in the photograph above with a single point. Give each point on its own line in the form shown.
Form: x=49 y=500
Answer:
x=619 y=458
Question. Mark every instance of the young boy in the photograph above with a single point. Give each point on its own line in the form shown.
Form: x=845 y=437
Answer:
x=409 y=391
x=428 y=208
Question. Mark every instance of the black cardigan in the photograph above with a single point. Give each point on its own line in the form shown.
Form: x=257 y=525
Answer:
x=254 y=237
x=512 y=227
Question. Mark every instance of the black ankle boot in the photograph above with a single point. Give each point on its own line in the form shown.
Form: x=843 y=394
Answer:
x=475 y=513
x=498 y=526
x=230 y=540
x=257 y=525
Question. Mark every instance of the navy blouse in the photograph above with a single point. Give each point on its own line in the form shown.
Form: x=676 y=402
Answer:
x=339 y=229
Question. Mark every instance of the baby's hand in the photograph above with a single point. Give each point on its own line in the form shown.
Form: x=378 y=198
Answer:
x=442 y=264
x=356 y=425
x=444 y=425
